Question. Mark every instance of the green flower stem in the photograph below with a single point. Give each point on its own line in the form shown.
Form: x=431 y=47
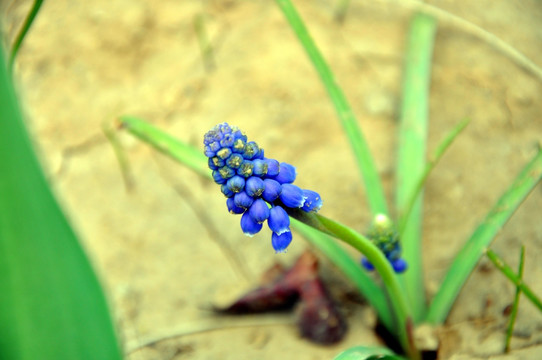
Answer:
x=509 y=273
x=412 y=146
x=381 y=264
x=351 y=269
x=22 y=33
x=373 y=185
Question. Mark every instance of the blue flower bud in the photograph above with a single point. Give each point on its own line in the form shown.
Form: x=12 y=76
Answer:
x=279 y=221
x=259 y=211
x=232 y=208
x=218 y=178
x=208 y=152
x=292 y=196
x=226 y=172
x=254 y=186
x=272 y=190
x=236 y=184
x=399 y=265
x=273 y=167
x=227 y=140
x=246 y=168
x=281 y=242
x=243 y=200
x=313 y=201
x=235 y=161
x=260 y=167
x=238 y=146
x=226 y=191
x=260 y=155
x=214 y=146
x=251 y=150
x=223 y=153
x=287 y=174
x=215 y=163
x=249 y=226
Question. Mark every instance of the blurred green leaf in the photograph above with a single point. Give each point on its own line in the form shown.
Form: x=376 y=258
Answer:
x=373 y=186
x=24 y=30
x=51 y=304
x=474 y=248
x=413 y=128
x=368 y=353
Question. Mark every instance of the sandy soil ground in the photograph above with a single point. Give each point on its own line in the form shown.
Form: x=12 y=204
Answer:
x=85 y=63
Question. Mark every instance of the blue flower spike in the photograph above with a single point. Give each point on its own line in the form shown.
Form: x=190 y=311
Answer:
x=259 y=188
x=382 y=233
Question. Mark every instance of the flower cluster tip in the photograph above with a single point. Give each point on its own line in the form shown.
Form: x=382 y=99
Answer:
x=256 y=187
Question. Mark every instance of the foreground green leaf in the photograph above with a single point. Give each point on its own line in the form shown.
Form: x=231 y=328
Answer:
x=368 y=353
x=475 y=247
x=51 y=304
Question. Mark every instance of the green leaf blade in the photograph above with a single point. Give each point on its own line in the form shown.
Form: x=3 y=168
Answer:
x=373 y=185
x=51 y=303
x=413 y=131
x=468 y=256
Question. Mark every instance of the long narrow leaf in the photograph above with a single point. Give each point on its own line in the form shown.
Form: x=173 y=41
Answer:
x=51 y=304
x=509 y=273
x=23 y=31
x=515 y=305
x=373 y=185
x=412 y=146
x=167 y=144
x=441 y=149
x=466 y=259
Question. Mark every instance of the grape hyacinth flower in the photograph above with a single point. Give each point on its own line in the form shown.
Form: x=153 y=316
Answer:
x=259 y=188
x=384 y=236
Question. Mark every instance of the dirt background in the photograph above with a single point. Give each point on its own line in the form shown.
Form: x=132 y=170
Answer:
x=162 y=247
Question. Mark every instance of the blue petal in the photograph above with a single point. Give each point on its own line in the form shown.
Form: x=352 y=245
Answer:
x=236 y=184
x=313 y=201
x=255 y=186
x=232 y=208
x=279 y=221
x=272 y=190
x=292 y=196
x=399 y=265
x=281 y=242
x=243 y=200
x=259 y=211
x=249 y=226
x=273 y=167
x=287 y=174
